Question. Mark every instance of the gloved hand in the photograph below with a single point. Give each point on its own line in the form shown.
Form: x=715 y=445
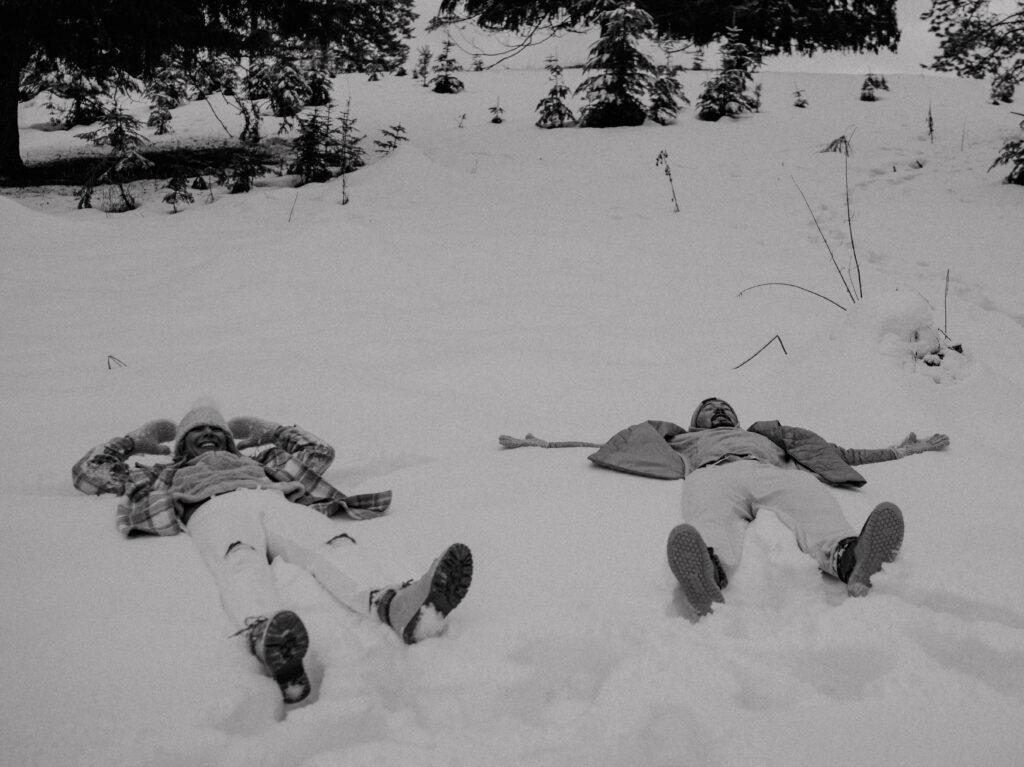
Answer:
x=912 y=444
x=252 y=432
x=147 y=438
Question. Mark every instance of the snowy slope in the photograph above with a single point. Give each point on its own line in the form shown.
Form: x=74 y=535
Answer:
x=497 y=279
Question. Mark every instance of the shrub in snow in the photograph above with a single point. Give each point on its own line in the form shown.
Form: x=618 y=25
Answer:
x=726 y=94
x=798 y=99
x=900 y=325
x=621 y=75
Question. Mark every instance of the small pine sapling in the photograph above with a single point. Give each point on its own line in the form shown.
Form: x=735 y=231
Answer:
x=462 y=120
x=867 y=92
x=663 y=160
x=726 y=94
x=119 y=131
x=244 y=169
x=178 y=193
x=840 y=145
x=350 y=153
x=553 y=111
x=870 y=87
x=314 y=147
x=478 y=63
x=496 y=113
x=444 y=80
x=931 y=125
x=666 y=94
x=422 y=68
x=393 y=136
x=799 y=101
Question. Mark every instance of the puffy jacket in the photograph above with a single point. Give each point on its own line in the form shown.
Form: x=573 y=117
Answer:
x=646 y=449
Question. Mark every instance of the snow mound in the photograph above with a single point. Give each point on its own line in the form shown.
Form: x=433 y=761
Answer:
x=900 y=325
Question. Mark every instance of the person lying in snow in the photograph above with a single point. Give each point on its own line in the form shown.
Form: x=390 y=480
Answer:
x=241 y=511
x=731 y=474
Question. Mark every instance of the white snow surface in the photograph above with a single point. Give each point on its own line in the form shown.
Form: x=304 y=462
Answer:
x=497 y=279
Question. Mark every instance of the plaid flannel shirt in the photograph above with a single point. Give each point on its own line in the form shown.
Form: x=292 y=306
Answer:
x=148 y=505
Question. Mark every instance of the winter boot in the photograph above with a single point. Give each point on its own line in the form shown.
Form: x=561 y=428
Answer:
x=417 y=609
x=280 y=643
x=855 y=560
x=696 y=568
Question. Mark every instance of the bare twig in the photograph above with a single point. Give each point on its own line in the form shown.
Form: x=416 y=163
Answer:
x=777 y=337
x=827 y=246
x=849 y=225
x=945 y=308
x=791 y=285
x=112 y=359
x=218 y=117
x=293 y=207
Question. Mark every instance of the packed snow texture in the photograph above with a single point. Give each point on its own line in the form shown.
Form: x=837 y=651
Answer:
x=505 y=279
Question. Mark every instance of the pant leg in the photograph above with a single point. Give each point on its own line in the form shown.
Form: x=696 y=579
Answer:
x=717 y=502
x=805 y=506
x=229 y=535
x=306 y=538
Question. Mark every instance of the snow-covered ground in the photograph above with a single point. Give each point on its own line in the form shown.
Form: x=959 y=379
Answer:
x=491 y=279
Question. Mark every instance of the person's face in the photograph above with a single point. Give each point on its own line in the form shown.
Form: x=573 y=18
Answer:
x=203 y=439
x=716 y=413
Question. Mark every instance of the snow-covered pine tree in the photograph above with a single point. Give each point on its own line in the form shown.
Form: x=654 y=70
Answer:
x=444 y=80
x=350 y=154
x=725 y=95
x=553 y=111
x=621 y=76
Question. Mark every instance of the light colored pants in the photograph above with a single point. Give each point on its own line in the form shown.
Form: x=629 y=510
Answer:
x=722 y=499
x=238 y=533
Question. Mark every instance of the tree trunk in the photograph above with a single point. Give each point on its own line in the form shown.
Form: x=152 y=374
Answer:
x=13 y=56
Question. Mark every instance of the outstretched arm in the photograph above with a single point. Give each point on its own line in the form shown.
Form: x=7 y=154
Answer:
x=909 y=446
x=282 y=442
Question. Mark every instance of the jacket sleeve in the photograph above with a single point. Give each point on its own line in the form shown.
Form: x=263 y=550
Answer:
x=296 y=442
x=856 y=457
x=643 y=449
x=103 y=469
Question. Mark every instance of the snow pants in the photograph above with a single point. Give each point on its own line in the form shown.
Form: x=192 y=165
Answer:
x=239 y=533
x=720 y=500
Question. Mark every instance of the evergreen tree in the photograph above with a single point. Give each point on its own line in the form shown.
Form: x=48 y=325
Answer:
x=126 y=35
x=775 y=26
x=315 y=147
x=178 y=193
x=121 y=132
x=444 y=80
x=725 y=95
x=620 y=75
x=666 y=95
x=553 y=111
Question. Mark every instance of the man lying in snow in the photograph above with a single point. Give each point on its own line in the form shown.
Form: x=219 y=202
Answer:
x=732 y=473
x=242 y=511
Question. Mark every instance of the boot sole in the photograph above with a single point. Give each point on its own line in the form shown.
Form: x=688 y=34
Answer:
x=449 y=585
x=284 y=648
x=691 y=564
x=878 y=542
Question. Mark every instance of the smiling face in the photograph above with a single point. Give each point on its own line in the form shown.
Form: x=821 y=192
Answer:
x=203 y=439
x=715 y=413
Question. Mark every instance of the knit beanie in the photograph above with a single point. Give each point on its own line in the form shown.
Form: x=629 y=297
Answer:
x=203 y=415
